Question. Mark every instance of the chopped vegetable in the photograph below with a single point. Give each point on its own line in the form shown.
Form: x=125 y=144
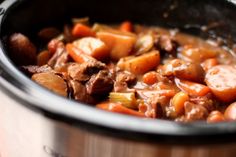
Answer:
x=192 y=88
x=150 y=77
x=178 y=102
x=144 y=44
x=77 y=54
x=126 y=99
x=119 y=43
x=126 y=26
x=84 y=20
x=117 y=107
x=209 y=63
x=221 y=80
x=97 y=27
x=52 y=82
x=197 y=55
x=81 y=30
x=140 y=64
x=93 y=47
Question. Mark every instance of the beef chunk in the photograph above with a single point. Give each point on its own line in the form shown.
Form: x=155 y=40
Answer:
x=194 y=112
x=83 y=72
x=22 y=50
x=165 y=43
x=33 y=69
x=60 y=57
x=206 y=101
x=123 y=80
x=100 y=84
x=46 y=34
x=79 y=92
x=183 y=70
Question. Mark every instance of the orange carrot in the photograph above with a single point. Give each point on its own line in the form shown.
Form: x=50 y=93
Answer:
x=77 y=54
x=80 y=30
x=178 y=102
x=119 y=108
x=192 y=88
x=140 y=64
x=209 y=63
x=126 y=26
x=150 y=77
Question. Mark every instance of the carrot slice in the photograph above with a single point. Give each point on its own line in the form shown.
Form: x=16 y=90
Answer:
x=140 y=64
x=126 y=26
x=150 y=77
x=209 y=63
x=192 y=88
x=119 y=108
x=178 y=102
x=77 y=54
x=81 y=30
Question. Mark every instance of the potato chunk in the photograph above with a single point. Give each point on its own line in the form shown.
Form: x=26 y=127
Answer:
x=140 y=64
x=119 y=43
x=93 y=47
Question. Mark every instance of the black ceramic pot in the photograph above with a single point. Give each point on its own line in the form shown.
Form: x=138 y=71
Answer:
x=37 y=123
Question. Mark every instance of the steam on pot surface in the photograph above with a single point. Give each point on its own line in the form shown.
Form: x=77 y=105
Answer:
x=132 y=69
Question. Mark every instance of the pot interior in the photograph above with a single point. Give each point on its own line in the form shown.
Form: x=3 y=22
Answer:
x=189 y=16
x=29 y=16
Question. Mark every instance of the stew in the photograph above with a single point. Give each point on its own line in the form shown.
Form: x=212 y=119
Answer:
x=132 y=69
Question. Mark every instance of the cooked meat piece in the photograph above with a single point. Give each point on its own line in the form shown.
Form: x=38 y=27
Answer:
x=67 y=34
x=52 y=82
x=157 y=104
x=48 y=33
x=60 y=57
x=221 y=80
x=33 y=69
x=53 y=44
x=79 y=92
x=190 y=71
x=124 y=79
x=22 y=50
x=194 y=112
x=83 y=72
x=165 y=43
x=127 y=77
x=184 y=70
x=100 y=84
x=76 y=72
x=205 y=101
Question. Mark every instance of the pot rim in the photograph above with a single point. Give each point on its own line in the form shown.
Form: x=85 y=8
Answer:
x=30 y=93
